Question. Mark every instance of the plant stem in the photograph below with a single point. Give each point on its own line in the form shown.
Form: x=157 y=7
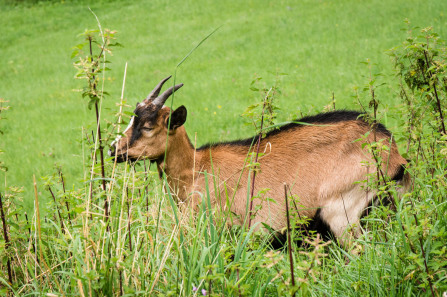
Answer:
x=128 y=220
x=39 y=234
x=258 y=143
x=253 y=178
x=302 y=226
x=423 y=253
x=63 y=188
x=57 y=208
x=98 y=128
x=333 y=100
x=239 y=285
x=438 y=102
x=121 y=283
x=101 y=153
x=289 y=241
x=146 y=190
x=5 y=234
x=101 y=149
x=29 y=233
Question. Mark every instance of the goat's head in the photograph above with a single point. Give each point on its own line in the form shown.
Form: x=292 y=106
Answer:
x=145 y=137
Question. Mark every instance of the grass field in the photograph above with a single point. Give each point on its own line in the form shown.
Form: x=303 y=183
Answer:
x=148 y=248
x=319 y=44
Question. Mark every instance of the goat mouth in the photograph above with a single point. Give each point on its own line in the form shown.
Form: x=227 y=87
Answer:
x=121 y=158
x=125 y=158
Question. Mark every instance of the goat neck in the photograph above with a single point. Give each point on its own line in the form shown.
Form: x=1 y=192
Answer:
x=178 y=163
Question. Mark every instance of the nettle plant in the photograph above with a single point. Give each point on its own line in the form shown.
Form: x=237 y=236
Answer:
x=385 y=187
x=262 y=116
x=421 y=65
x=91 y=65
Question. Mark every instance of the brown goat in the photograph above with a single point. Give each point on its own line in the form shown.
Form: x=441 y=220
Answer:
x=322 y=163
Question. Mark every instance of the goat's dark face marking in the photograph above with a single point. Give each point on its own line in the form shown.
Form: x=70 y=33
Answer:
x=145 y=118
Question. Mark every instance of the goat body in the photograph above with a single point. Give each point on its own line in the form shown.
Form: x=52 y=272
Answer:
x=323 y=164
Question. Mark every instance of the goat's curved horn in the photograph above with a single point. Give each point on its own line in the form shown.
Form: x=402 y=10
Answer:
x=152 y=95
x=160 y=100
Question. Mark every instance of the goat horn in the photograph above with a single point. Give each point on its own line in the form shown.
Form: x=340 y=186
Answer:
x=152 y=95
x=160 y=100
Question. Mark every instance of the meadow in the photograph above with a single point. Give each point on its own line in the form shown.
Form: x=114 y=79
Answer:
x=318 y=53
x=320 y=45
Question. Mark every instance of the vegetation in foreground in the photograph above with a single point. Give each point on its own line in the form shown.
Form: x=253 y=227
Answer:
x=122 y=233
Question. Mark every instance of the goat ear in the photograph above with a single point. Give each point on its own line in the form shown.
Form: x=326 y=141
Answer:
x=178 y=118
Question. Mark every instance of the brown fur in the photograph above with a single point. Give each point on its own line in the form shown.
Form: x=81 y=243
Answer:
x=322 y=165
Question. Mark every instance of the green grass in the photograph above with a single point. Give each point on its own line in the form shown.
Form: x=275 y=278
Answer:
x=319 y=44
x=152 y=247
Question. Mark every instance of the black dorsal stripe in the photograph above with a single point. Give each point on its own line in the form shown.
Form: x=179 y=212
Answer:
x=326 y=118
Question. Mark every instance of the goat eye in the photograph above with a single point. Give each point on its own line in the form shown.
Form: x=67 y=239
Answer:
x=146 y=129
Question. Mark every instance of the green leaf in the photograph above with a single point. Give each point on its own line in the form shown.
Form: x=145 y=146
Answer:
x=74 y=53
x=116 y=44
x=91 y=103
